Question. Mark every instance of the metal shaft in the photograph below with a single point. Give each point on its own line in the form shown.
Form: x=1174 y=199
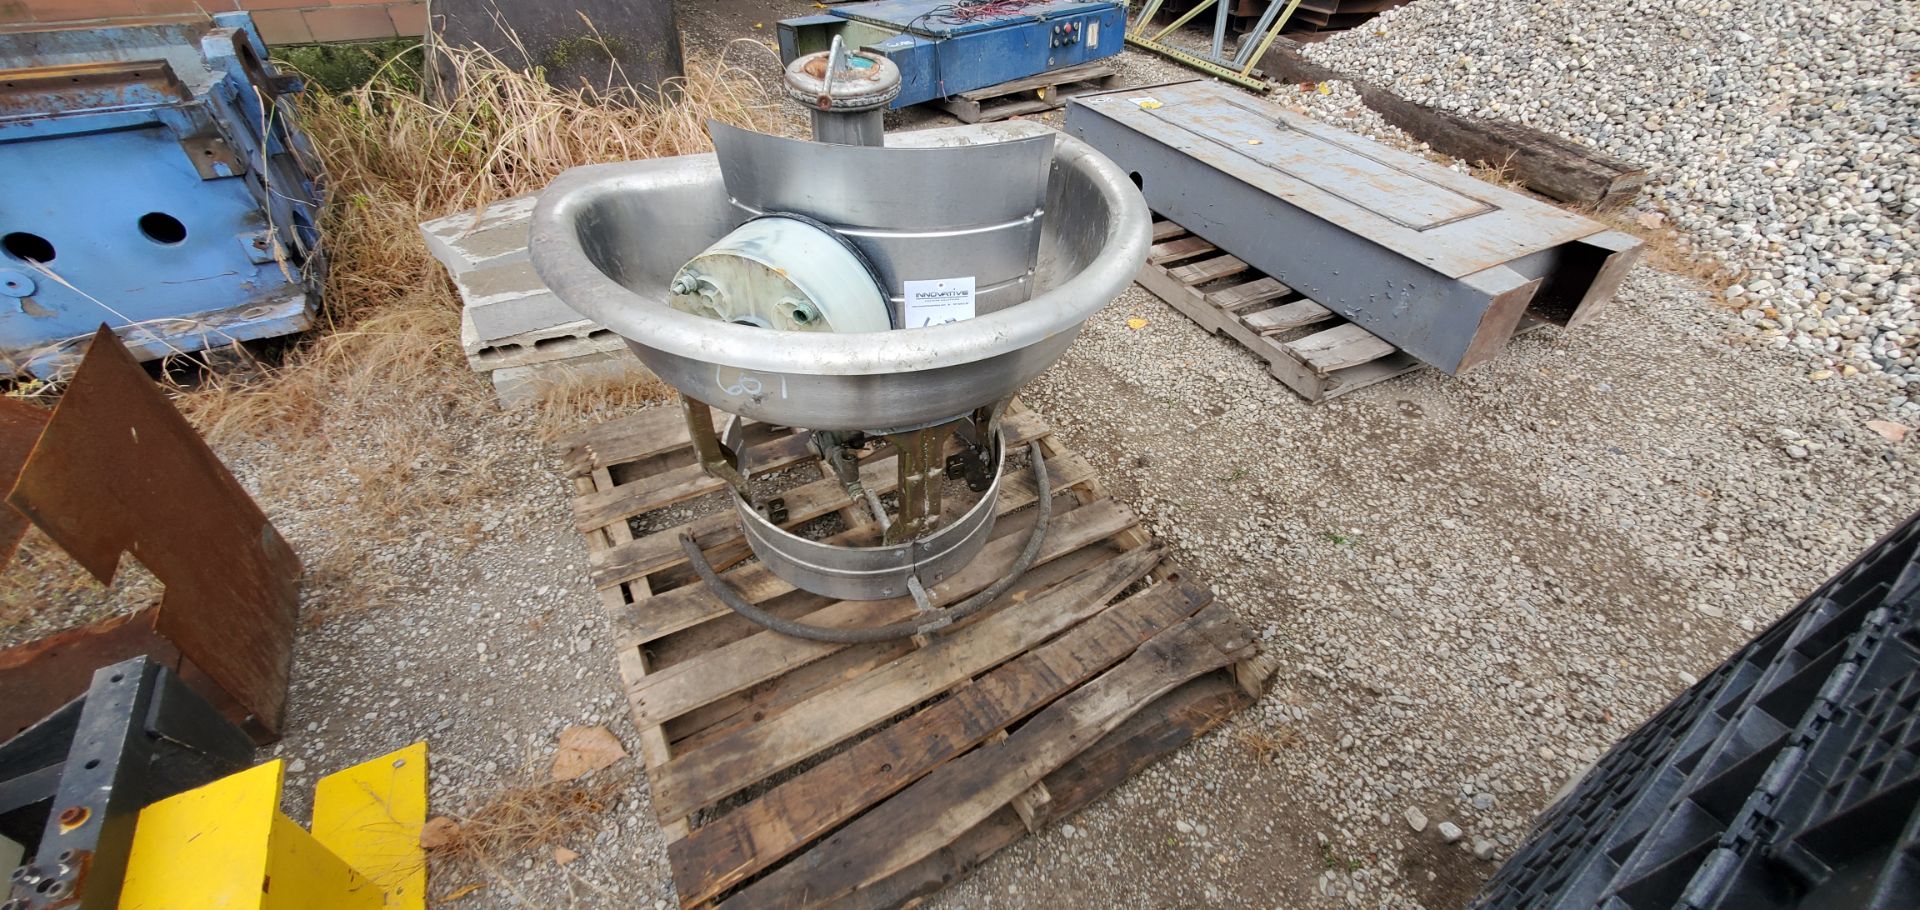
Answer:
x=842 y=127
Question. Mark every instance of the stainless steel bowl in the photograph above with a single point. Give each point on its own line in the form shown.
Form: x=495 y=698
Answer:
x=608 y=239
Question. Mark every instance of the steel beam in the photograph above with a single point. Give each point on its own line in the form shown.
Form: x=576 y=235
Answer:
x=1434 y=262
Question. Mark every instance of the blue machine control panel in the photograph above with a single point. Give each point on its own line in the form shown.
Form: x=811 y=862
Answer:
x=946 y=47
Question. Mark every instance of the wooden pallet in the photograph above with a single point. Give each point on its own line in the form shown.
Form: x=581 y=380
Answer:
x=1316 y=353
x=1031 y=95
x=793 y=773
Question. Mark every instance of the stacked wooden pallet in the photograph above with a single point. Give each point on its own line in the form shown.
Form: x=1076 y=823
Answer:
x=1043 y=92
x=1306 y=346
x=790 y=773
x=511 y=327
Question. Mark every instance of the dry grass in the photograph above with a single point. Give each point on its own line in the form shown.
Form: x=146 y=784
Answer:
x=373 y=430
x=569 y=403
x=381 y=403
x=1669 y=250
x=394 y=159
x=1266 y=745
x=522 y=819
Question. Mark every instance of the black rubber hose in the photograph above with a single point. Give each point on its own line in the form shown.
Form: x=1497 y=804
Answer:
x=920 y=625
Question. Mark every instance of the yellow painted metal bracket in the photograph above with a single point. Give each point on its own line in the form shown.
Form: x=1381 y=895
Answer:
x=226 y=846
x=371 y=814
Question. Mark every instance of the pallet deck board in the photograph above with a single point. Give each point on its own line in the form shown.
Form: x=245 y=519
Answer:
x=1178 y=249
x=685 y=686
x=1208 y=270
x=941 y=807
x=1257 y=291
x=718 y=855
x=702 y=777
x=1030 y=94
x=1337 y=348
x=1257 y=312
x=766 y=754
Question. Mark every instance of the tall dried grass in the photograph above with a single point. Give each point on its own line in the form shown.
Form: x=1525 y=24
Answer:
x=365 y=433
x=395 y=158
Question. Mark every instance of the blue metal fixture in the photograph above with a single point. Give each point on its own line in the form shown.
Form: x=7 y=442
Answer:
x=155 y=182
x=944 y=48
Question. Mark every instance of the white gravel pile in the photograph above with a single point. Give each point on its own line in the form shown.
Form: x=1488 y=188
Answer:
x=1783 y=137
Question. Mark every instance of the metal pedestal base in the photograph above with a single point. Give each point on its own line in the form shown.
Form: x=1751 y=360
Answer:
x=868 y=573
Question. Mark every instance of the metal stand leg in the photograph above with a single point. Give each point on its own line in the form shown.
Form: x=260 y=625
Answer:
x=716 y=458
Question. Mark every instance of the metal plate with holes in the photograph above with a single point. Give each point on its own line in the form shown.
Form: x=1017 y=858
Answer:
x=155 y=181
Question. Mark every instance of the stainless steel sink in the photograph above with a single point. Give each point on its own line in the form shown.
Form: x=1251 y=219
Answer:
x=609 y=238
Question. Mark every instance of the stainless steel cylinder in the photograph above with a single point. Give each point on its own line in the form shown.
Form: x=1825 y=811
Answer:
x=847 y=91
x=850 y=127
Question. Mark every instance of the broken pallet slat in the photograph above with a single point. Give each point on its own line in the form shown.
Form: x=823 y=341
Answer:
x=1287 y=316
x=1340 y=347
x=1175 y=250
x=1208 y=270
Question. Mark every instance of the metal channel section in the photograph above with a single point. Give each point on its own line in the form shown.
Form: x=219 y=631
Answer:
x=869 y=573
x=1438 y=264
x=156 y=183
x=139 y=735
x=969 y=212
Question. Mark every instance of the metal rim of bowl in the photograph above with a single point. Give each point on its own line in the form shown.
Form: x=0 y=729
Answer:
x=563 y=264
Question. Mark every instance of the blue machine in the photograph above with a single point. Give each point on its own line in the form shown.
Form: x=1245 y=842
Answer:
x=945 y=47
x=154 y=181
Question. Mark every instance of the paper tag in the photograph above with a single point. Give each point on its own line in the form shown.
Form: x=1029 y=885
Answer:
x=938 y=300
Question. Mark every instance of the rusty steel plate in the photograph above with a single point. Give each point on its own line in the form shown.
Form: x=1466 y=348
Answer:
x=118 y=470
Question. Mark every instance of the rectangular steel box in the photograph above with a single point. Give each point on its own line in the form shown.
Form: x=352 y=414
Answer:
x=942 y=53
x=1433 y=261
x=155 y=182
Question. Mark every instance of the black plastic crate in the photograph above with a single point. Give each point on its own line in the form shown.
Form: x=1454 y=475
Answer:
x=1788 y=777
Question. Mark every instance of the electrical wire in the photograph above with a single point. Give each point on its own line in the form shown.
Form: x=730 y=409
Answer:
x=962 y=12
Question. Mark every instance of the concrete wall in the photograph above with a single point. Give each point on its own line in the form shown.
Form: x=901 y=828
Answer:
x=279 y=21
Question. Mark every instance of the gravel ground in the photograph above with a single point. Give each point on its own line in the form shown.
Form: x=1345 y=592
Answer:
x=1783 y=137
x=1473 y=586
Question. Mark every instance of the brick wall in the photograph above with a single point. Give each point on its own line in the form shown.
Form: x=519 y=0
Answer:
x=279 y=21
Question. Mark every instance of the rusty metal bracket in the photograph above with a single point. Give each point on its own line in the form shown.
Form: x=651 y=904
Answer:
x=716 y=458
